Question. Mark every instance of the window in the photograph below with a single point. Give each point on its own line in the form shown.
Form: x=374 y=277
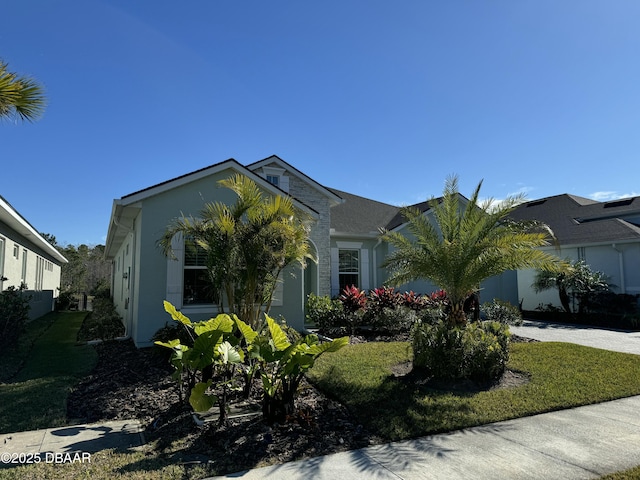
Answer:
x=16 y=251
x=274 y=180
x=40 y=264
x=24 y=266
x=348 y=268
x=196 y=286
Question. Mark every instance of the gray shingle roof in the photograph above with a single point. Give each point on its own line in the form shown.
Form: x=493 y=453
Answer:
x=359 y=215
x=576 y=220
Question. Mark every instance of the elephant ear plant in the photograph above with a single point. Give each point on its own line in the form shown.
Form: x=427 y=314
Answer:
x=214 y=354
x=225 y=348
x=283 y=364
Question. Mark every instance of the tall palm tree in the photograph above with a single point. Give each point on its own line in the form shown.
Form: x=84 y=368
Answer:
x=20 y=97
x=248 y=245
x=466 y=245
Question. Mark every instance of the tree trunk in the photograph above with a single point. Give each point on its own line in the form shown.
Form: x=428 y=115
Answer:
x=564 y=299
x=457 y=317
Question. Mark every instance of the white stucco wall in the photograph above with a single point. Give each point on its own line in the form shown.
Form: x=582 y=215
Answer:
x=619 y=262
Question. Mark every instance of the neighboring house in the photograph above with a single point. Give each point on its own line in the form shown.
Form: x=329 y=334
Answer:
x=344 y=238
x=606 y=235
x=27 y=259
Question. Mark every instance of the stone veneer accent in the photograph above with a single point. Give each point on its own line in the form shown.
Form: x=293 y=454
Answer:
x=320 y=231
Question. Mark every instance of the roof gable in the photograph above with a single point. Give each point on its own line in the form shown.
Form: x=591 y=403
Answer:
x=274 y=159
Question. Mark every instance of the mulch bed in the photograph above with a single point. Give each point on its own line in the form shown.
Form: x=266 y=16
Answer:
x=136 y=383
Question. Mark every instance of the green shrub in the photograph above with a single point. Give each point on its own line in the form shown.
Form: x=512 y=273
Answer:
x=14 y=313
x=326 y=314
x=394 y=319
x=478 y=352
x=502 y=312
x=103 y=322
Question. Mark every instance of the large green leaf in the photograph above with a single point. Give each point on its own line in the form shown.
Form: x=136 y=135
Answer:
x=228 y=354
x=278 y=337
x=332 y=346
x=201 y=401
x=222 y=322
x=205 y=349
x=247 y=332
x=172 y=344
x=175 y=314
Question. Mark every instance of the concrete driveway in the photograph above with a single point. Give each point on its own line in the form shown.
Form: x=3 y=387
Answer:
x=616 y=340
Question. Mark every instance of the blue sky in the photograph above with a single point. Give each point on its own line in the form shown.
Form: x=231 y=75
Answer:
x=383 y=99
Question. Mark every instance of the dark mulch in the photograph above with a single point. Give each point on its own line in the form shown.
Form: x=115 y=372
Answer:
x=136 y=383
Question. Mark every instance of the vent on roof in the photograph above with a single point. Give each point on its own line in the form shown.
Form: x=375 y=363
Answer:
x=536 y=203
x=618 y=203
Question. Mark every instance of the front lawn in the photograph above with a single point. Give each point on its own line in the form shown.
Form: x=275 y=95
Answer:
x=40 y=372
x=561 y=375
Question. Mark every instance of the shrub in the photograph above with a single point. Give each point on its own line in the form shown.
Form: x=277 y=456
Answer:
x=416 y=302
x=502 y=312
x=477 y=352
x=64 y=300
x=325 y=313
x=394 y=320
x=14 y=313
x=103 y=322
x=353 y=299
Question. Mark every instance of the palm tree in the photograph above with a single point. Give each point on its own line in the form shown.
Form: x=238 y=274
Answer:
x=467 y=245
x=20 y=97
x=248 y=245
x=577 y=280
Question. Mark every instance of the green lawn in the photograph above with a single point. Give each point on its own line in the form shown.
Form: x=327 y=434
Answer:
x=562 y=375
x=40 y=373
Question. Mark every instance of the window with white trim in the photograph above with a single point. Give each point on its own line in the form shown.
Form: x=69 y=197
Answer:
x=348 y=268
x=274 y=180
x=196 y=285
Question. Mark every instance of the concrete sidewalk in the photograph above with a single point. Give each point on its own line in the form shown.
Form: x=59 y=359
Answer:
x=581 y=443
x=119 y=435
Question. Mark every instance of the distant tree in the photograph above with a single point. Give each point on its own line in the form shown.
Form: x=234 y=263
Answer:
x=21 y=98
x=49 y=238
x=87 y=269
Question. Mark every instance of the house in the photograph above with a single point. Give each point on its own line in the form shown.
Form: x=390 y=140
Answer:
x=606 y=235
x=344 y=239
x=27 y=259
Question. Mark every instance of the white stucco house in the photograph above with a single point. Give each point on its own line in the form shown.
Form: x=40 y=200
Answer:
x=26 y=258
x=344 y=237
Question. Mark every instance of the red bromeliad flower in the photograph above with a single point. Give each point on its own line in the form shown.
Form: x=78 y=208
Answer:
x=353 y=299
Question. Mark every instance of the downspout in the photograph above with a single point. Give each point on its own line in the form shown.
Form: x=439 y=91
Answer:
x=623 y=288
x=375 y=264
